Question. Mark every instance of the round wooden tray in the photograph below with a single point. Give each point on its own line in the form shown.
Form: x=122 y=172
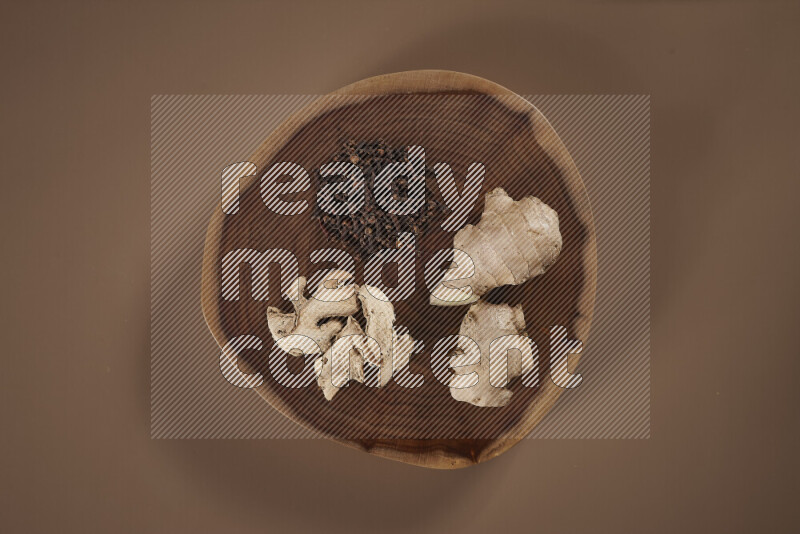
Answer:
x=521 y=153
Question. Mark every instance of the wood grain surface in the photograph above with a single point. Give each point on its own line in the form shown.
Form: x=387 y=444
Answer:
x=472 y=119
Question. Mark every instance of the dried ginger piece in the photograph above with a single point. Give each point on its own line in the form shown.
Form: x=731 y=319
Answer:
x=355 y=346
x=379 y=315
x=325 y=318
x=318 y=318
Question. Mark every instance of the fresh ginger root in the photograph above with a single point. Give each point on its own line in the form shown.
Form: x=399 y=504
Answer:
x=513 y=242
x=486 y=325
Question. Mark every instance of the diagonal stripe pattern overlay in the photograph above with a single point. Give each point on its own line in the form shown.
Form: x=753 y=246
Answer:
x=199 y=143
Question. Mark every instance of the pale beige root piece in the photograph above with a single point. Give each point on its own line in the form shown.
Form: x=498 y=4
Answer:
x=483 y=324
x=355 y=345
x=327 y=316
x=513 y=242
x=379 y=315
x=381 y=345
x=319 y=317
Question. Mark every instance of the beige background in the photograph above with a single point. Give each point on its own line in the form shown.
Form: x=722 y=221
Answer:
x=75 y=446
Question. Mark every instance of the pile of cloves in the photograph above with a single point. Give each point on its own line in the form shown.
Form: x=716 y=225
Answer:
x=371 y=229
